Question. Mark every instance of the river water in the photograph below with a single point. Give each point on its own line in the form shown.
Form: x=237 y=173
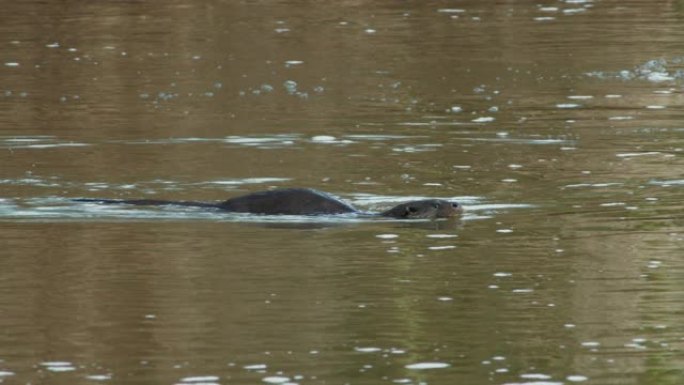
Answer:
x=558 y=125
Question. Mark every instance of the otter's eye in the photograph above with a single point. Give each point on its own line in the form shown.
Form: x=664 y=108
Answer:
x=454 y=205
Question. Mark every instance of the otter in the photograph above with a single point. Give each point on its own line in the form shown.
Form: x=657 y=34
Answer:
x=303 y=201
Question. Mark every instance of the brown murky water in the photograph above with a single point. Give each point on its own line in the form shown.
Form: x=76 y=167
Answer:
x=557 y=123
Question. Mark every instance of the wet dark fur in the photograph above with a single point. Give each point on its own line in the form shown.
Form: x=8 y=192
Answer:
x=301 y=201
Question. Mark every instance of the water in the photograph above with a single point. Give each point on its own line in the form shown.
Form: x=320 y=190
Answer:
x=556 y=124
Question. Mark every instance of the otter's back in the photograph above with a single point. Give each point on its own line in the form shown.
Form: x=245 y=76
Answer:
x=293 y=201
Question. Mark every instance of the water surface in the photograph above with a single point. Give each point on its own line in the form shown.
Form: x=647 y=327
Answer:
x=556 y=124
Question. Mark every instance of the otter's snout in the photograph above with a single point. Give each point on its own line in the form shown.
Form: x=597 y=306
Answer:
x=448 y=209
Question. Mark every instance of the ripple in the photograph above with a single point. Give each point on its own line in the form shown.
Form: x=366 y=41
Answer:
x=387 y=236
x=522 y=141
x=534 y=383
x=427 y=365
x=418 y=148
x=379 y=137
x=522 y=291
x=497 y=206
x=37 y=142
x=535 y=376
x=251 y=141
x=437 y=248
x=328 y=139
x=275 y=379
x=635 y=154
x=596 y=185
x=483 y=119
x=242 y=181
x=203 y=379
x=402 y=381
x=655 y=71
x=674 y=182
x=374 y=199
x=58 y=366
x=368 y=349
x=99 y=377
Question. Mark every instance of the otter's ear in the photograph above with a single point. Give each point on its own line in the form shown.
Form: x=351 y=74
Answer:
x=410 y=210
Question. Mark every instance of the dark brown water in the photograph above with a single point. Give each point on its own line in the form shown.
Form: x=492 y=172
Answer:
x=558 y=124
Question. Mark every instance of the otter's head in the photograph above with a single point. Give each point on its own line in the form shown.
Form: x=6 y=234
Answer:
x=429 y=208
